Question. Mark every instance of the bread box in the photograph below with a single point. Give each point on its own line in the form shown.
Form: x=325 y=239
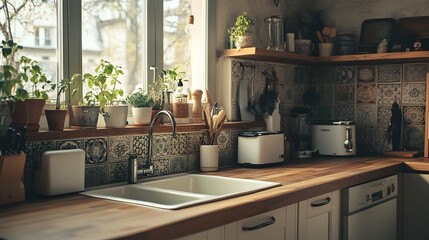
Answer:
x=260 y=148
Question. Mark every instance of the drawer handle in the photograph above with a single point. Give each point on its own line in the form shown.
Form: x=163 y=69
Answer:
x=321 y=203
x=272 y=220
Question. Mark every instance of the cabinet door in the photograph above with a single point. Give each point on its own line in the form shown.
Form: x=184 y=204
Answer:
x=319 y=217
x=211 y=234
x=416 y=208
x=270 y=225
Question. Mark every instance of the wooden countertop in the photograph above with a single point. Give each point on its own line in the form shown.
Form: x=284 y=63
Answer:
x=79 y=217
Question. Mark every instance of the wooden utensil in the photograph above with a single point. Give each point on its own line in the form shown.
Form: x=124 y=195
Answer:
x=319 y=36
x=333 y=33
x=326 y=31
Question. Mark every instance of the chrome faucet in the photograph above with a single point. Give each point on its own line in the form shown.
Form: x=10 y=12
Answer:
x=133 y=170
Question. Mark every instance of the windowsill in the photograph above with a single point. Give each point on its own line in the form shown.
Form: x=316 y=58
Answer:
x=44 y=135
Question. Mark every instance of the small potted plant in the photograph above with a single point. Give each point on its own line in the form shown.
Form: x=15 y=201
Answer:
x=141 y=107
x=56 y=117
x=24 y=86
x=104 y=92
x=240 y=33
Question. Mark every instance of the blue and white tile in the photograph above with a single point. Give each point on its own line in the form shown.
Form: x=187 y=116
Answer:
x=118 y=172
x=161 y=166
x=119 y=148
x=415 y=72
x=161 y=145
x=195 y=139
x=414 y=93
x=140 y=144
x=387 y=93
x=96 y=150
x=390 y=73
x=179 y=144
x=69 y=144
x=37 y=149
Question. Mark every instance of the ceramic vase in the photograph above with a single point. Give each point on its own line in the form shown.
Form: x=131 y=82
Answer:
x=209 y=158
x=142 y=115
x=115 y=116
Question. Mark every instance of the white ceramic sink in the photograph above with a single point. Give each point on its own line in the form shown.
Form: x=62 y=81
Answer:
x=181 y=191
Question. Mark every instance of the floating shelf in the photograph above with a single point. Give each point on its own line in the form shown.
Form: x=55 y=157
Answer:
x=260 y=54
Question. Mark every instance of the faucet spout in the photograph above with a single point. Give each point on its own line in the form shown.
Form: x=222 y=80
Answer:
x=170 y=116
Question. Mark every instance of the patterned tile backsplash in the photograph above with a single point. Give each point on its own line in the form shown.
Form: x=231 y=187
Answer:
x=106 y=157
x=364 y=94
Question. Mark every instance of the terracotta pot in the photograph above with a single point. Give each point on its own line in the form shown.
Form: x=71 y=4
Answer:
x=85 y=116
x=27 y=113
x=56 y=119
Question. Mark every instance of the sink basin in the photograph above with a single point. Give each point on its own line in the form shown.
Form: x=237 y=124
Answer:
x=181 y=191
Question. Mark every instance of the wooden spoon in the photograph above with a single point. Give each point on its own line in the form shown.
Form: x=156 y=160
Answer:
x=326 y=31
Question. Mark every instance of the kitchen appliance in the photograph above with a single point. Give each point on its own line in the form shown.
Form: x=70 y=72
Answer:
x=260 y=148
x=275 y=33
x=60 y=171
x=334 y=137
x=302 y=135
x=369 y=210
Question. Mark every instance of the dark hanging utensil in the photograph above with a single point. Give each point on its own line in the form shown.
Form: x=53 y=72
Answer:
x=395 y=125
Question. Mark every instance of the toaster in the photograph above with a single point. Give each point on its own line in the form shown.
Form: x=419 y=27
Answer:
x=260 y=148
x=334 y=137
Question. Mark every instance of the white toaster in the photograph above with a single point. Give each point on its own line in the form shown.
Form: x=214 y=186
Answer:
x=334 y=138
x=260 y=148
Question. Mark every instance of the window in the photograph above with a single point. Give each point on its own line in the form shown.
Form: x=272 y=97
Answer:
x=47 y=37
x=37 y=36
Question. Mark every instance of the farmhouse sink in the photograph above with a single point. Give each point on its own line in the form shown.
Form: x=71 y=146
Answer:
x=181 y=191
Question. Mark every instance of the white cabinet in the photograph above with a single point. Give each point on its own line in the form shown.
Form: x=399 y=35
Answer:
x=416 y=208
x=271 y=225
x=319 y=217
x=211 y=234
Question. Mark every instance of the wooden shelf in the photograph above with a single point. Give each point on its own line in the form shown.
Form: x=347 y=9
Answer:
x=260 y=54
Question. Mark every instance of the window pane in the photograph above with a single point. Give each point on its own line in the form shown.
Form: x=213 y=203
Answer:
x=27 y=27
x=112 y=30
x=177 y=49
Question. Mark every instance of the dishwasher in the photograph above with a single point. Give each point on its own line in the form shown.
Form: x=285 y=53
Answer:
x=369 y=210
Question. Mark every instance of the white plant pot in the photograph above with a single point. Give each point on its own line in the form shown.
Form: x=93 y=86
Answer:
x=243 y=41
x=115 y=116
x=209 y=158
x=142 y=115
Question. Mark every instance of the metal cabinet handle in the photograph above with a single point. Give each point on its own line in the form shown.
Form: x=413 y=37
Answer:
x=321 y=202
x=272 y=220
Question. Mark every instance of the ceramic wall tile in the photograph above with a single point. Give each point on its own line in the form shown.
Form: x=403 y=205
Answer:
x=344 y=74
x=96 y=175
x=344 y=94
x=384 y=113
x=289 y=74
x=381 y=143
x=326 y=92
x=225 y=159
x=345 y=112
x=414 y=137
x=161 y=145
x=140 y=144
x=293 y=94
x=321 y=75
x=193 y=162
x=414 y=93
x=224 y=140
x=194 y=142
x=324 y=112
x=178 y=164
x=119 y=148
x=387 y=93
x=365 y=138
x=234 y=139
x=38 y=148
x=118 y=172
x=366 y=114
x=179 y=144
x=69 y=144
x=366 y=74
x=161 y=166
x=415 y=72
x=390 y=73
x=414 y=115
x=96 y=150
x=366 y=93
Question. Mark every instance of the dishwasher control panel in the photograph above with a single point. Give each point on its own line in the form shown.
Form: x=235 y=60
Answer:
x=370 y=193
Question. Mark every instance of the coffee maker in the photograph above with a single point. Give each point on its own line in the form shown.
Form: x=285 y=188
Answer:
x=302 y=133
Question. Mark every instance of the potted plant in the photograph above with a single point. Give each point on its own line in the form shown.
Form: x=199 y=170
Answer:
x=56 y=117
x=240 y=33
x=141 y=107
x=104 y=92
x=25 y=87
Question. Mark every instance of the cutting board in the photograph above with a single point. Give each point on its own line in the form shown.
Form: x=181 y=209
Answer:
x=404 y=154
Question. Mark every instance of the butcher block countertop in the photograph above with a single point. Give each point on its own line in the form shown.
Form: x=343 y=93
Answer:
x=80 y=217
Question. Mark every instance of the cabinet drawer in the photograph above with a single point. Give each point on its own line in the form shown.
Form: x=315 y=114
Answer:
x=270 y=224
x=318 y=205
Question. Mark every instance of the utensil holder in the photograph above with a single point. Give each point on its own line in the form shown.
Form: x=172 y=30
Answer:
x=11 y=174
